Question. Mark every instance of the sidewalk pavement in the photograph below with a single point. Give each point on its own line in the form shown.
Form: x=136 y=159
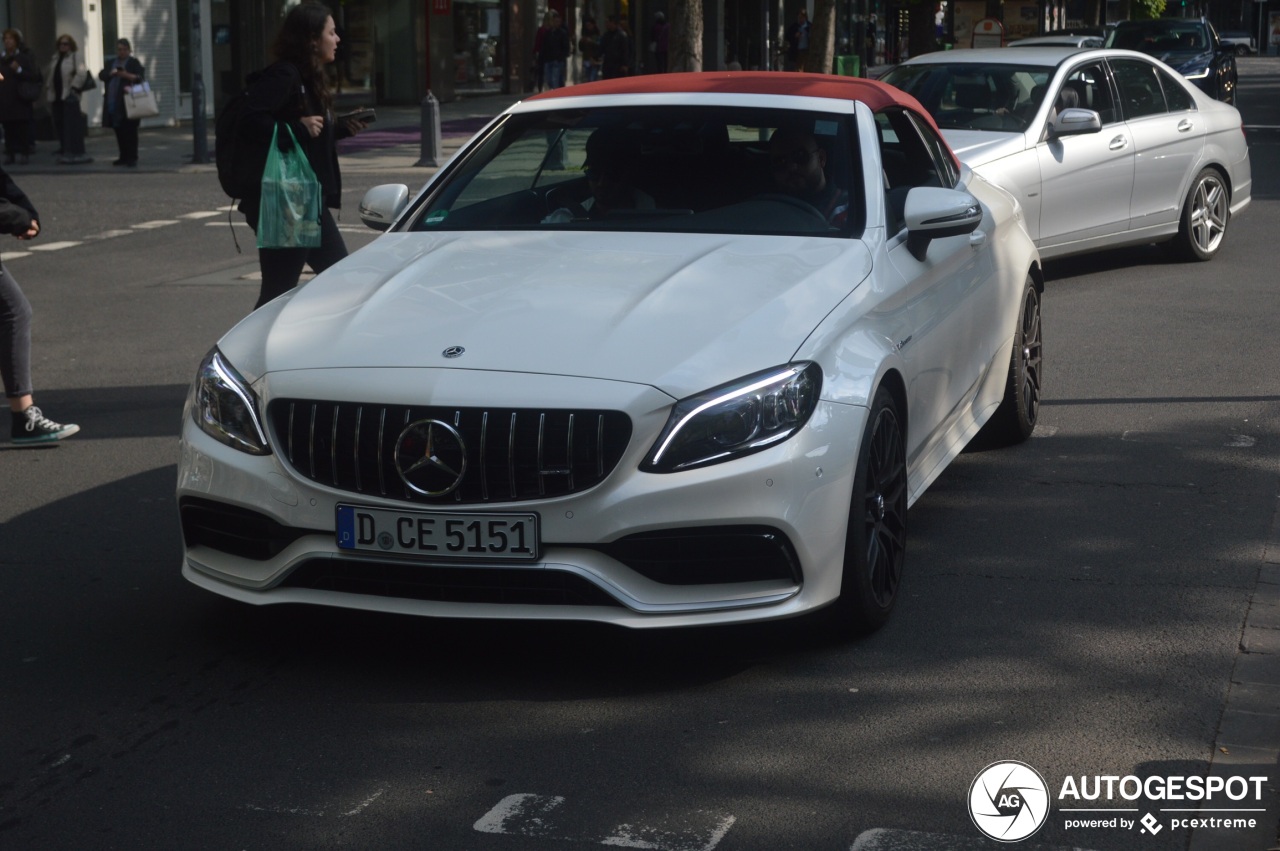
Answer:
x=392 y=144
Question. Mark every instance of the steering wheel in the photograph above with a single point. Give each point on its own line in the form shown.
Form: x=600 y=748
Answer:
x=793 y=202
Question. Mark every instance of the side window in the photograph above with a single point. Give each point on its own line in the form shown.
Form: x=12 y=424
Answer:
x=944 y=163
x=1175 y=94
x=1140 y=91
x=907 y=162
x=1086 y=87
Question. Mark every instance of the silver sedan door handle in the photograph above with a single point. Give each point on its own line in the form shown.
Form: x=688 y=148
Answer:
x=1184 y=125
x=1119 y=143
x=977 y=239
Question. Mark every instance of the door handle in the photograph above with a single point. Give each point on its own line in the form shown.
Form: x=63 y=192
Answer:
x=1119 y=143
x=1184 y=125
x=977 y=239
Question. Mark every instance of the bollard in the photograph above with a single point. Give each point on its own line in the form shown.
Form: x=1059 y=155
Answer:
x=430 y=149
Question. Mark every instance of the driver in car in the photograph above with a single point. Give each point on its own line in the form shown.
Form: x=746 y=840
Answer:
x=612 y=155
x=799 y=166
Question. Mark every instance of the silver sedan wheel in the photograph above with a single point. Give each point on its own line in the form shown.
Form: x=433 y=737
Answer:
x=1204 y=219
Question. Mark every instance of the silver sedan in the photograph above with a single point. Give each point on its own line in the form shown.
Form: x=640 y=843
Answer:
x=1103 y=148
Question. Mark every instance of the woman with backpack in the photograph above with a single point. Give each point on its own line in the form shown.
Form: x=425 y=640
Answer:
x=294 y=93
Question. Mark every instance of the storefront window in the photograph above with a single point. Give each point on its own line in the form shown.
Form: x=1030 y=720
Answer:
x=477 y=30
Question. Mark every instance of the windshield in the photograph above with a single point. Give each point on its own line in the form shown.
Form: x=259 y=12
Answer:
x=971 y=96
x=1161 y=37
x=658 y=168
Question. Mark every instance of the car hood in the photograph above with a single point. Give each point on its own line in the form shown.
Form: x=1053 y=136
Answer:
x=680 y=312
x=979 y=147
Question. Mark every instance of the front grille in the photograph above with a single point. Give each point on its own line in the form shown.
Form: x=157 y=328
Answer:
x=512 y=454
x=508 y=586
x=234 y=530
x=709 y=555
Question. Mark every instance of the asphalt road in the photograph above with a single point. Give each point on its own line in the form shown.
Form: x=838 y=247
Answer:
x=1078 y=603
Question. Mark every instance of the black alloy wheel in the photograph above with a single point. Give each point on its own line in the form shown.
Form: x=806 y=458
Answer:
x=876 y=539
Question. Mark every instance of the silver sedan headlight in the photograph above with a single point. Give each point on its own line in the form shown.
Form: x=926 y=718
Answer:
x=736 y=419
x=225 y=408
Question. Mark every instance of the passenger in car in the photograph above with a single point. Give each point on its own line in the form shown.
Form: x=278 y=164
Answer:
x=611 y=167
x=799 y=166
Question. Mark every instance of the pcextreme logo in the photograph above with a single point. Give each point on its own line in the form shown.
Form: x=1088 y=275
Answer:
x=1009 y=801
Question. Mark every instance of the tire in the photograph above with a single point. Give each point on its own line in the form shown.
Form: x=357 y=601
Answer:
x=1019 y=411
x=876 y=537
x=1205 y=216
x=1241 y=50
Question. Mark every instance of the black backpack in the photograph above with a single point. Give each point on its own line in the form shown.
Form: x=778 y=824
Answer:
x=239 y=165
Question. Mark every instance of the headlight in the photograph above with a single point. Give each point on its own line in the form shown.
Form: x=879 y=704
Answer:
x=736 y=419
x=225 y=408
x=1195 y=69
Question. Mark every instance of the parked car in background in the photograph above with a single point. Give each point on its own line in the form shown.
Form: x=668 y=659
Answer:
x=1189 y=46
x=658 y=351
x=1242 y=43
x=1059 y=41
x=1102 y=147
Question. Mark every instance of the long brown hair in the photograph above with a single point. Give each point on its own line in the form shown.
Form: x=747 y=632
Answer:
x=296 y=43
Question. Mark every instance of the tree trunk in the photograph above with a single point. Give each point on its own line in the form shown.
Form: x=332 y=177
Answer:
x=685 y=47
x=822 y=38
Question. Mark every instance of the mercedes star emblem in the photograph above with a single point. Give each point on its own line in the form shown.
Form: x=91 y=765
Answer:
x=431 y=457
x=453 y=352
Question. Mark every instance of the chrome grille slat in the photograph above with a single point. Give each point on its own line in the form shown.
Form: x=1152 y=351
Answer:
x=548 y=453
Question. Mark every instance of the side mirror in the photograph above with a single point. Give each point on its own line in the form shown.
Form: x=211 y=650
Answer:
x=382 y=205
x=1074 y=121
x=932 y=213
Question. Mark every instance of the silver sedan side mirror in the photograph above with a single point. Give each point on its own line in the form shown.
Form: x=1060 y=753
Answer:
x=382 y=205
x=1074 y=121
x=933 y=212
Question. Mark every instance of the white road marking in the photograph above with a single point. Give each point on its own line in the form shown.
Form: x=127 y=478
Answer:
x=222 y=223
x=159 y=223
x=200 y=214
x=54 y=246
x=883 y=839
x=1240 y=441
x=109 y=234
x=535 y=815
x=365 y=803
x=524 y=811
x=303 y=811
x=15 y=255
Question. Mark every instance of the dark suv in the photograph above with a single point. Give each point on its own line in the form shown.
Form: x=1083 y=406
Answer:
x=1191 y=47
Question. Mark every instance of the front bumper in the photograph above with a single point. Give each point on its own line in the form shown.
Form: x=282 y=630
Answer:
x=756 y=538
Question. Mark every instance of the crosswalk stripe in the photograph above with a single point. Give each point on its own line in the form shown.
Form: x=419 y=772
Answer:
x=156 y=224
x=200 y=214
x=54 y=246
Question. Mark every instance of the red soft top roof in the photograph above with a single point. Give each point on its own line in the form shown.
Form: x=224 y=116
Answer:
x=873 y=93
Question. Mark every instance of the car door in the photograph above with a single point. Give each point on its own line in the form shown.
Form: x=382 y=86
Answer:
x=1087 y=179
x=944 y=301
x=1168 y=138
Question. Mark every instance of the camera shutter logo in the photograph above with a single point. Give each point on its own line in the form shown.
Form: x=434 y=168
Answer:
x=1008 y=801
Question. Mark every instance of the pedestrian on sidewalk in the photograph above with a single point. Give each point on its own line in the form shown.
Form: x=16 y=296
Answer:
x=19 y=87
x=615 y=50
x=66 y=80
x=293 y=92
x=29 y=426
x=124 y=71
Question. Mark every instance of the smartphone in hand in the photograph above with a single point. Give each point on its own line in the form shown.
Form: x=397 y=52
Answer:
x=364 y=114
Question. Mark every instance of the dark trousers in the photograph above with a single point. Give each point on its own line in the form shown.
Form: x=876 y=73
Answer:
x=127 y=139
x=15 y=337
x=17 y=136
x=282 y=267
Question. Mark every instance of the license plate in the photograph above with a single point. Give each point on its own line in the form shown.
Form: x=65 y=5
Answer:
x=438 y=534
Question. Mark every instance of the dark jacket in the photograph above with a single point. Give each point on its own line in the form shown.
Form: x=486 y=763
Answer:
x=277 y=97
x=16 y=210
x=116 y=86
x=17 y=67
x=615 y=54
